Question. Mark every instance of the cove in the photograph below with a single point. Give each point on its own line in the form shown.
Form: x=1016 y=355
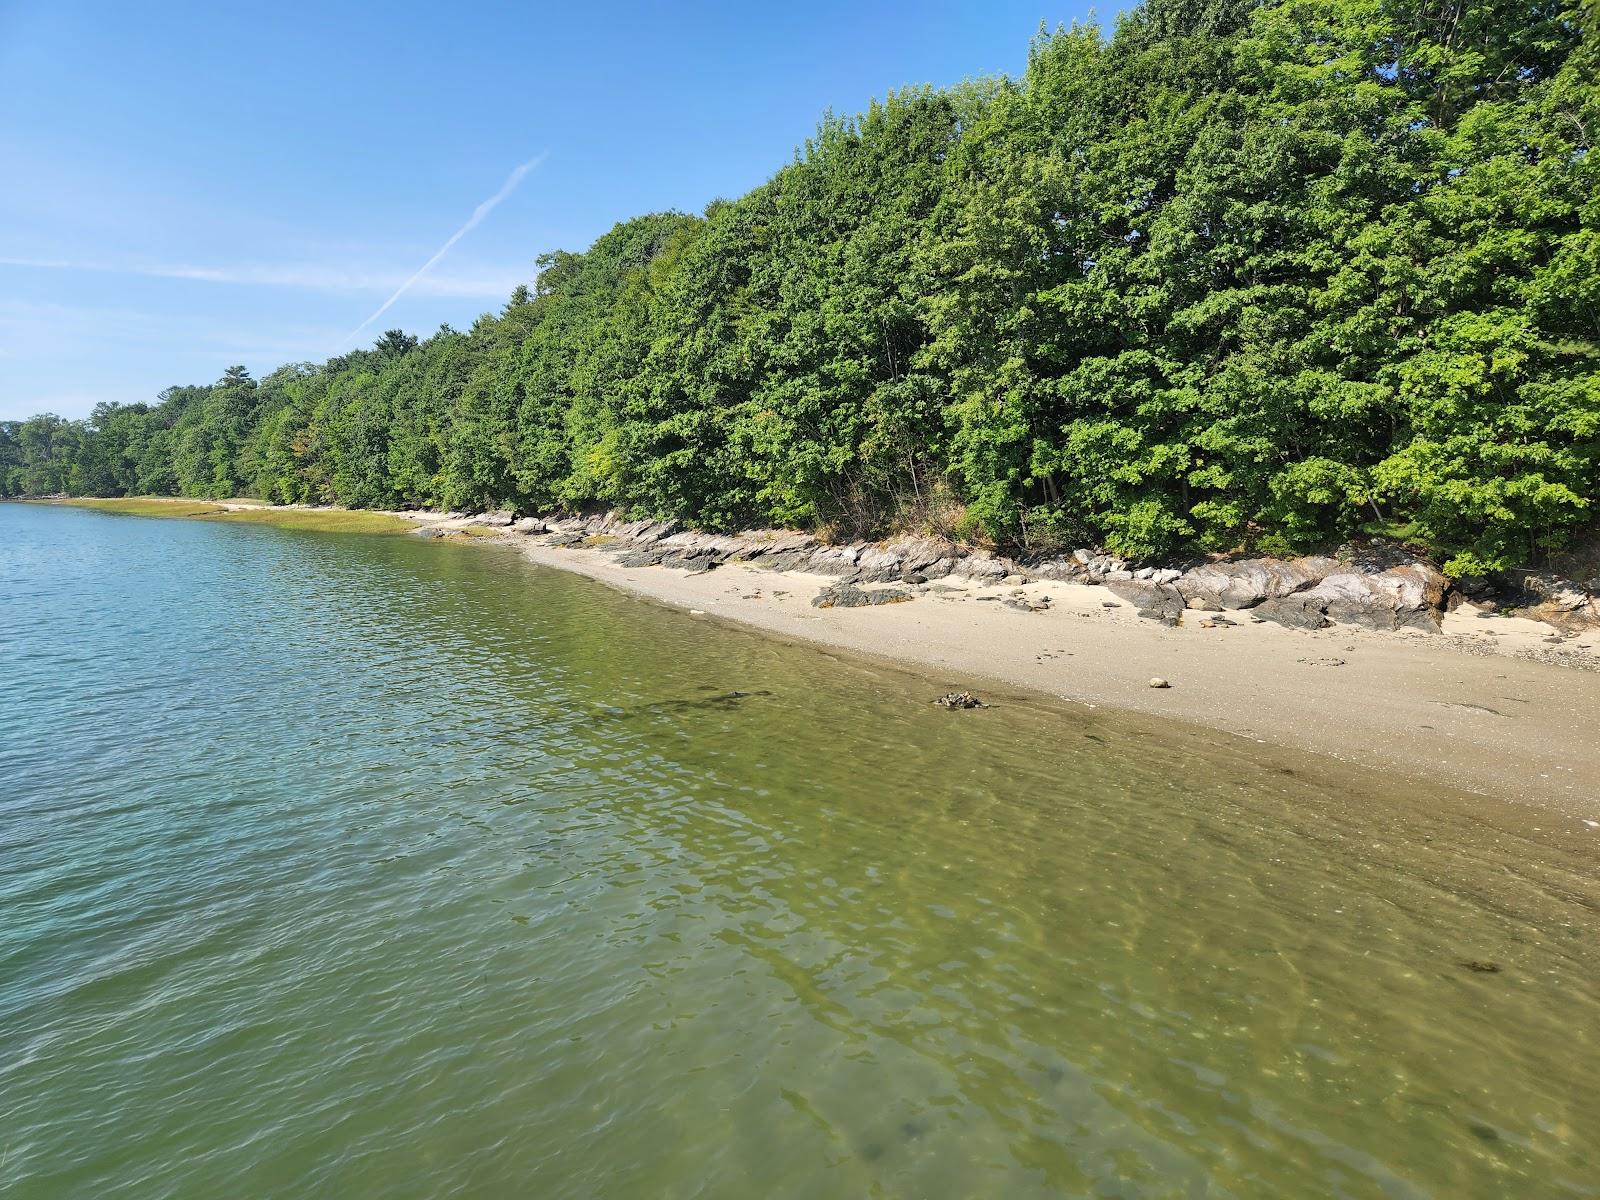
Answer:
x=335 y=865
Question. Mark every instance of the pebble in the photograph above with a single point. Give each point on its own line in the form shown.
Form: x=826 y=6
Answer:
x=1159 y=682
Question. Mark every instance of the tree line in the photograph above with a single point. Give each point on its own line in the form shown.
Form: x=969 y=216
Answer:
x=1240 y=274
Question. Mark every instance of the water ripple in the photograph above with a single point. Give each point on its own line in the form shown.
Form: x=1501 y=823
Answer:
x=339 y=866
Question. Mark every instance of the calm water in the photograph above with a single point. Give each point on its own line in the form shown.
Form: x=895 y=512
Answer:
x=337 y=867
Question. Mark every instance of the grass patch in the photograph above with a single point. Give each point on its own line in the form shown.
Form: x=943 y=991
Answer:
x=1395 y=531
x=320 y=520
x=151 y=506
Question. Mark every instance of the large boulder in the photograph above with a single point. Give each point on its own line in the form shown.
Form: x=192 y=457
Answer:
x=1294 y=612
x=929 y=557
x=781 y=551
x=1568 y=606
x=1157 y=601
x=982 y=567
x=1248 y=582
x=1063 y=570
x=848 y=595
x=1410 y=596
x=834 y=560
x=877 y=564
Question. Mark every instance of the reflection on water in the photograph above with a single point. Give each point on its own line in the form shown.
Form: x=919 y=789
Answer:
x=336 y=866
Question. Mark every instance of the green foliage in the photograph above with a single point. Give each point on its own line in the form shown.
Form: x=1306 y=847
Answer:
x=1240 y=274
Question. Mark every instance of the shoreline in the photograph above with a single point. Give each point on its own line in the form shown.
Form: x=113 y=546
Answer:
x=1479 y=707
x=1459 y=709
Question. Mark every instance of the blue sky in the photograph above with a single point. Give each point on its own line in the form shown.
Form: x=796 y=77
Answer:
x=191 y=186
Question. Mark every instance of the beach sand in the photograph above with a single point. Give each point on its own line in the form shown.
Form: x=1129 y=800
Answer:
x=1470 y=707
x=1487 y=706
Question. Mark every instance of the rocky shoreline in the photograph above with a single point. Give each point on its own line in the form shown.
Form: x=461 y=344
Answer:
x=1373 y=585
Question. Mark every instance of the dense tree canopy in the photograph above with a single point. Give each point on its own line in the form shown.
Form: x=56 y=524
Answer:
x=1241 y=274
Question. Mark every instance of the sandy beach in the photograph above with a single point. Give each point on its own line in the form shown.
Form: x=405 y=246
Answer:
x=1487 y=705
x=1470 y=707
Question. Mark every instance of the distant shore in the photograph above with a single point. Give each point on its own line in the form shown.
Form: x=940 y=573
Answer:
x=1475 y=707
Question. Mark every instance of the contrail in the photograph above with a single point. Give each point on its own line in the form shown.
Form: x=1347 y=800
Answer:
x=478 y=214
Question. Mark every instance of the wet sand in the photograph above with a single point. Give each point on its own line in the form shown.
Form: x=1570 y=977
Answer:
x=1486 y=706
x=1464 y=708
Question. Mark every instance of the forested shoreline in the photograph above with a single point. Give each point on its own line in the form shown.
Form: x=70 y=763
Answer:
x=1238 y=275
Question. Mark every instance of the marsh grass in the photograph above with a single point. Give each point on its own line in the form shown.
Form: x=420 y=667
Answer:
x=321 y=520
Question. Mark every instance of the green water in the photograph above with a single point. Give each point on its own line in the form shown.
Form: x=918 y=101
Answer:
x=367 y=867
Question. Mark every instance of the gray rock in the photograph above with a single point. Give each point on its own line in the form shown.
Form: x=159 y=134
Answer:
x=1558 y=601
x=927 y=556
x=848 y=595
x=1062 y=570
x=1105 y=564
x=1247 y=582
x=1292 y=612
x=644 y=556
x=785 y=560
x=833 y=560
x=874 y=565
x=1404 y=597
x=981 y=566
x=788 y=543
x=1153 y=600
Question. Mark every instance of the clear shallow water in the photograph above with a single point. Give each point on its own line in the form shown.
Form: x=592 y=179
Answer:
x=338 y=866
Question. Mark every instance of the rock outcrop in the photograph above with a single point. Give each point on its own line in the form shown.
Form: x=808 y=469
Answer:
x=1369 y=584
x=1569 y=606
x=1403 y=597
x=849 y=595
x=1157 y=601
x=1246 y=583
